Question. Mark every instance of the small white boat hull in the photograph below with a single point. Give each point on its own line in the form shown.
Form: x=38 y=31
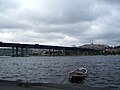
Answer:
x=79 y=73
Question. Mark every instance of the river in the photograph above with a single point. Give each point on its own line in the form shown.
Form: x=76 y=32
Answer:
x=103 y=71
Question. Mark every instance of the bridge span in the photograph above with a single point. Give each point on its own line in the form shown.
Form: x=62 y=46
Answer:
x=24 y=49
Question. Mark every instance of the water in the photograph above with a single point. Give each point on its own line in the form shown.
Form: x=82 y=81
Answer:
x=103 y=71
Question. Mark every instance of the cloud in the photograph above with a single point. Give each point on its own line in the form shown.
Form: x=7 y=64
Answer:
x=7 y=4
x=60 y=22
x=112 y=1
x=62 y=11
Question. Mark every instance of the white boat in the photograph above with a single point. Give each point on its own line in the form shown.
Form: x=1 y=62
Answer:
x=79 y=73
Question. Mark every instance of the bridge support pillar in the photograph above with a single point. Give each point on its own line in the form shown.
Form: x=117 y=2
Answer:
x=53 y=52
x=27 y=52
x=74 y=51
x=68 y=52
x=22 y=52
x=64 y=52
x=13 y=53
x=59 y=52
x=16 y=52
x=49 y=51
x=78 y=52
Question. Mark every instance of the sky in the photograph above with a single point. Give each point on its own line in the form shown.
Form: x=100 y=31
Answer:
x=60 y=22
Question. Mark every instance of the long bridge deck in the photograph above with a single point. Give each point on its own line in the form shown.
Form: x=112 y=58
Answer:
x=15 y=47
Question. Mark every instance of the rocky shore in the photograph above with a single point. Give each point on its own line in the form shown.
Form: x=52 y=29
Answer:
x=18 y=85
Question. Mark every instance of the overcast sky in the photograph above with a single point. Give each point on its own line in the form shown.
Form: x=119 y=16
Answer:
x=60 y=22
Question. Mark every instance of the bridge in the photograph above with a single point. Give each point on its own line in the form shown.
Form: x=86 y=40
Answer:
x=24 y=49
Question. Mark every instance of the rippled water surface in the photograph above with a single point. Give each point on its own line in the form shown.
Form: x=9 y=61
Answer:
x=103 y=71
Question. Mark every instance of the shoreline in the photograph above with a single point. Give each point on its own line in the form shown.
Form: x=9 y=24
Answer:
x=19 y=85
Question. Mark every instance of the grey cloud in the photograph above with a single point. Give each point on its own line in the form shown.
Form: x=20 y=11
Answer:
x=66 y=12
x=112 y=1
x=60 y=22
x=69 y=29
x=8 y=21
x=8 y=4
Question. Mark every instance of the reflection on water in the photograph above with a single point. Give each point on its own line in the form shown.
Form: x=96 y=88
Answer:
x=77 y=80
x=103 y=71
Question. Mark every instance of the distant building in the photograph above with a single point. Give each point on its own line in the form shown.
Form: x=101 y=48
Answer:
x=38 y=51
x=95 y=46
x=5 y=52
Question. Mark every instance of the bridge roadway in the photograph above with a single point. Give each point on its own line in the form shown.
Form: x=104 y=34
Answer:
x=15 y=47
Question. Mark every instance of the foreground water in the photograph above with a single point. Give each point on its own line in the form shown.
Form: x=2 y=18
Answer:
x=103 y=71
